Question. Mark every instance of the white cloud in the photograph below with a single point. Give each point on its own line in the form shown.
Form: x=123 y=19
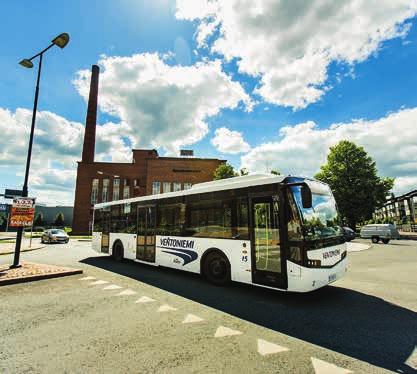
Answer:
x=162 y=105
x=228 y=141
x=302 y=148
x=56 y=149
x=290 y=44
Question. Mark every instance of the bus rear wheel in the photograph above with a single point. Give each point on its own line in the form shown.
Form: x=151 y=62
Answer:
x=375 y=239
x=385 y=241
x=117 y=252
x=216 y=268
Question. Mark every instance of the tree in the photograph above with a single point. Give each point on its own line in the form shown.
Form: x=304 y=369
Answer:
x=275 y=172
x=38 y=220
x=59 y=219
x=352 y=175
x=224 y=171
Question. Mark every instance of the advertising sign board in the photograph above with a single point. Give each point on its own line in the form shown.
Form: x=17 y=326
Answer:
x=23 y=211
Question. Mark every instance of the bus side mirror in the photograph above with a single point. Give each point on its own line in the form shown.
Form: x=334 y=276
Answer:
x=306 y=197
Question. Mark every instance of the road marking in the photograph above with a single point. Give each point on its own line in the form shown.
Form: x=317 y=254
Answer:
x=191 y=318
x=127 y=292
x=323 y=367
x=268 y=348
x=166 y=308
x=145 y=299
x=86 y=278
x=112 y=287
x=226 y=331
x=98 y=282
x=412 y=359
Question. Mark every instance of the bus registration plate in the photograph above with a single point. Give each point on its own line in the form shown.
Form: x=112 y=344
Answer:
x=332 y=277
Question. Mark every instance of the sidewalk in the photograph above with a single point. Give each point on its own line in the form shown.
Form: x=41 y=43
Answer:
x=8 y=248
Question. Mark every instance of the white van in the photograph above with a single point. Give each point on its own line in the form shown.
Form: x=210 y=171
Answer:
x=383 y=231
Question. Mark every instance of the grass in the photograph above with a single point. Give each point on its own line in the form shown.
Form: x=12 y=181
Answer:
x=8 y=241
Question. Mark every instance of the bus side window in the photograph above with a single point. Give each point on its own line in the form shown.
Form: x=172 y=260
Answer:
x=242 y=231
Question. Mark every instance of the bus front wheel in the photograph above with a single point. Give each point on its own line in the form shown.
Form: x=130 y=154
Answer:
x=117 y=252
x=216 y=268
x=375 y=239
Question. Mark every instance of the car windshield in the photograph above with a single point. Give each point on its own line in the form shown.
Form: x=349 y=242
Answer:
x=57 y=232
x=322 y=219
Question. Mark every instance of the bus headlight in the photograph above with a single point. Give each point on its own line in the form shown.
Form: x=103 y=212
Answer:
x=314 y=263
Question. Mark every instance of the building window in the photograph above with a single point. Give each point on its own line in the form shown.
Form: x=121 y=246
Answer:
x=105 y=192
x=94 y=191
x=156 y=188
x=187 y=185
x=166 y=187
x=126 y=195
x=116 y=189
x=176 y=186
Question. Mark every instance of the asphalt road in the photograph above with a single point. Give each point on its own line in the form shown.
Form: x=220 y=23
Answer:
x=365 y=323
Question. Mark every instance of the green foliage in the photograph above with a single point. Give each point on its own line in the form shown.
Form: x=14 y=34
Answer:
x=3 y=219
x=38 y=220
x=59 y=219
x=224 y=171
x=68 y=230
x=275 y=172
x=352 y=175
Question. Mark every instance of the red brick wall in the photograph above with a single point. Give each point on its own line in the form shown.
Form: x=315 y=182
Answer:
x=146 y=168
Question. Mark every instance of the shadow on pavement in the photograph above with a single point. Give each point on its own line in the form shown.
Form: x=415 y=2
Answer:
x=364 y=327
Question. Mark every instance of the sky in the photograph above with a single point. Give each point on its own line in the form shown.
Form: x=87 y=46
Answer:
x=264 y=84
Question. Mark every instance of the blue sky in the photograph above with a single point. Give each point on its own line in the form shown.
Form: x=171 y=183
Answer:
x=368 y=87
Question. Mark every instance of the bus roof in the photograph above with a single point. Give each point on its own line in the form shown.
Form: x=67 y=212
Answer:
x=219 y=185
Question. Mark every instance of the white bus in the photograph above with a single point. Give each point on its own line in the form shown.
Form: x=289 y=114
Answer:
x=271 y=231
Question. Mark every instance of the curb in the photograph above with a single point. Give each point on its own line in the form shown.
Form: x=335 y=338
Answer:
x=39 y=277
x=22 y=250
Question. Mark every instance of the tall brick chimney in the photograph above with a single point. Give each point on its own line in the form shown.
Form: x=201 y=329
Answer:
x=91 y=119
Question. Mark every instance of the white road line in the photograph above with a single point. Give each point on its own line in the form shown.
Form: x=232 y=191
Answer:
x=323 y=367
x=166 y=308
x=226 y=331
x=127 y=292
x=192 y=318
x=112 y=287
x=268 y=348
x=145 y=299
x=86 y=278
x=98 y=282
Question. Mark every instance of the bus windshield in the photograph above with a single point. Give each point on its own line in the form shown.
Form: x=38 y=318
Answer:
x=322 y=219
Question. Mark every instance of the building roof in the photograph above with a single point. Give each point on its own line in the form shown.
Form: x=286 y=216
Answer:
x=219 y=185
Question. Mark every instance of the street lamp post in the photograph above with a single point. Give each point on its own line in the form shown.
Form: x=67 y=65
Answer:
x=60 y=41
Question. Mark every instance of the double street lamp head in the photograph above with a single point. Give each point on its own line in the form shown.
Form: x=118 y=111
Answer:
x=60 y=41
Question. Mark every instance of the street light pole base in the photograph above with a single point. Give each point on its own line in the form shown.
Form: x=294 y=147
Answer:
x=15 y=266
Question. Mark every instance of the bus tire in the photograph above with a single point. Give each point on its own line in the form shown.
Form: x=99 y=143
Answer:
x=117 y=251
x=385 y=241
x=375 y=239
x=216 y=268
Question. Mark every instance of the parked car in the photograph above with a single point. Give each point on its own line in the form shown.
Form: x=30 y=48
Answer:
x=54 y=236
x=348 y=234
x=383 y=231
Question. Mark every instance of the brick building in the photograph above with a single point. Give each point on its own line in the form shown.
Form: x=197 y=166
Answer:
x=148 y=173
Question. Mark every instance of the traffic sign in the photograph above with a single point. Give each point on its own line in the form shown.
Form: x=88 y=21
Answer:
x=11 y=194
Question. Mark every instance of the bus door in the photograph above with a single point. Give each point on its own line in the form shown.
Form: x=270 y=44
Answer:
x=145 y=246
x=268 y=261
x=105 y=230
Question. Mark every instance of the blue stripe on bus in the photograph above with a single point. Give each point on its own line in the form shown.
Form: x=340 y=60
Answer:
x=187 y=255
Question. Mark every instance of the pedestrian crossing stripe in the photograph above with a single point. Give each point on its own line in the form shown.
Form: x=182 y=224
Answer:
x=226 y=331
x=86 y=278
x=268 y=348
x=127 y=292
x=145 y=299
x=191 y=318
x=112 y=287
x=166 y=308
x=98 y=282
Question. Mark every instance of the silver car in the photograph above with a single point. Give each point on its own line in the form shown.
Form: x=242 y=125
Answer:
x=54 y=236
x=376 y=232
